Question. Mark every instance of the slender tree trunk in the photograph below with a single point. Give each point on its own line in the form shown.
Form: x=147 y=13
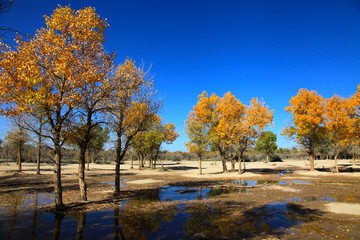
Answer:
x=131 y=160
x=267 y=158
x=59 y=205
x=353 y=158
x=19 y=156
x=81 y=171
x=200 y=168
x=336 y=163
x=117 y=168
x=81 y=225
x=39 y=151
x=240 y=159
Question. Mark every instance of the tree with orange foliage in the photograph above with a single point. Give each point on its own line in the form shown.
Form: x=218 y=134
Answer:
x=257 y=116
x=308 y=129
x=132 y=105
x=231 y=114
x=47 y=72
x=338 y=124
x=354 y=108
x=205 y=112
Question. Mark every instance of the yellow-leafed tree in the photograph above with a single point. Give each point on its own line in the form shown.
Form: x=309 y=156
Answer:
x=308 y=111
x=338 y=124
x=48 y=71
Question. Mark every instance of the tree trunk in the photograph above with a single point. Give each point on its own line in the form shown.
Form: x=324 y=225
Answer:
x=39 y=151
x=353 y=158
x=200 y=169
x=117 y=168
x=336 y=164
x=223 y=161
x=140 y=161
x=88 y=160
x=267 y=158
x=311 y=162
x=132 y=161
x=59 y=205
x=151 y=162
x=19 y=156
x=81 y=170
x=240 y=159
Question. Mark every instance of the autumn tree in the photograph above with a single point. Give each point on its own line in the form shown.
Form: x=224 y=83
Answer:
x=354 y=128
x=337 y=124
x=156 y=136
x=148 y=142
x=307 y=108
x=205 y=112
x=244 y=133
x=199 y=137
x=231 y=113
x=34 y=123
x=17 y=137
x=49 y=71
x=266 y=143
x=133 y=105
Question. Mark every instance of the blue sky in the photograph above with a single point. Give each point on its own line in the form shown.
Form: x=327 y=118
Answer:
x=253 y=48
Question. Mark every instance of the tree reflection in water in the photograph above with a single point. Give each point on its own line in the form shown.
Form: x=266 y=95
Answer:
x=140 y=219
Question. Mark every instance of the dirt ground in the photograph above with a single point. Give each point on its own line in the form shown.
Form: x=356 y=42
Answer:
x=304 y=189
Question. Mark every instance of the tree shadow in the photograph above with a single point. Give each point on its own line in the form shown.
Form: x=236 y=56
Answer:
x=182 y=168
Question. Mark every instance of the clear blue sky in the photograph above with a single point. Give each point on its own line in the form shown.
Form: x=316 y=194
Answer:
x=253 y=48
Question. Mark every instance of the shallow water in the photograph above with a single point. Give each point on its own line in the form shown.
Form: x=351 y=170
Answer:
x=131 y=222
x=20 y=216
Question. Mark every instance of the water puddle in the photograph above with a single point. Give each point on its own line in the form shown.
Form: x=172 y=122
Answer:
x=282 y=173
x=113 y=183
x=328 y=198
x=177 y=222
x=20 y=216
